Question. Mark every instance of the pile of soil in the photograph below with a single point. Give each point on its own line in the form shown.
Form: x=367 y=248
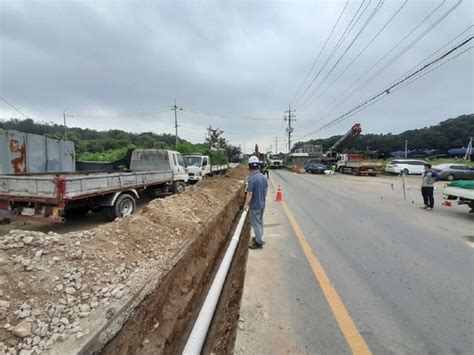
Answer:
x=238 y=172
x=55 y=286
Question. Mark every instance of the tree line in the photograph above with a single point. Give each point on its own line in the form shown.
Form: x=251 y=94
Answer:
x=93 y=145
x=452 y=133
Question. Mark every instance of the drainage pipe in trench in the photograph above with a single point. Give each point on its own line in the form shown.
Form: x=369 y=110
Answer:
x=201 y=326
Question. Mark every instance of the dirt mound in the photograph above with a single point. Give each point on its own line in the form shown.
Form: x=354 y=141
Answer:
x=238 y=172
x=54 y=286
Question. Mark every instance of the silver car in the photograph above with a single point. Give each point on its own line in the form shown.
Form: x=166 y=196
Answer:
x=452 y=172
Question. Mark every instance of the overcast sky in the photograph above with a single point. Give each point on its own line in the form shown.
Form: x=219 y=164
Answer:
x=241 y=60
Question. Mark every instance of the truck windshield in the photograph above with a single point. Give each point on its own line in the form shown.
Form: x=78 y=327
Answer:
x=181 y=160
x=193 y=161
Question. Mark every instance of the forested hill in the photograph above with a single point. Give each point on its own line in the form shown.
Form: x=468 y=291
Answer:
x=112 y=145
x=452 y=133
x=89 y=140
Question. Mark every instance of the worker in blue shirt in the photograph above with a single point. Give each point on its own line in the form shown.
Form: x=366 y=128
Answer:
x=428 y=179
x=256 y=192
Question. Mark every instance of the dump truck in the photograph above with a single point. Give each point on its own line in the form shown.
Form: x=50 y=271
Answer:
x=55 y=196
x=200 y=166
x=356 y=165
x=461 y=191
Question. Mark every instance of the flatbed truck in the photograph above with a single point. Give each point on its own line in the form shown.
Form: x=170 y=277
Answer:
x=53 y=197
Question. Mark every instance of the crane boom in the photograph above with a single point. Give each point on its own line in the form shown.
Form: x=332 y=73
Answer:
x=353 y=132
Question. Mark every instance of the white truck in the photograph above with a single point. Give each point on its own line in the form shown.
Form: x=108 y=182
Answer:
x=461 y=191
x=275 y=161
x=199 y=167
x=53 y=197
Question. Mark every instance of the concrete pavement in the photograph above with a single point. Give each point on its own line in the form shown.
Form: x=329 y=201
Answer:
x=283 y=309
x=404 y=275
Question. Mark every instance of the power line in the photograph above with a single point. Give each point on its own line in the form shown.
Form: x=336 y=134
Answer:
x=13 y=107
x=230 y=132
x=320 y=52
x=432 y=69
x=410 y=78
x=333 y=52
x=402 y=52
x=218 y=115
x=348 y=94
x=360 y=53
x=127 y=115
x=369 y=19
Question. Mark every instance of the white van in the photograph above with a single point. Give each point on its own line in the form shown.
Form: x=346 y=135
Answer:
x=406 y=166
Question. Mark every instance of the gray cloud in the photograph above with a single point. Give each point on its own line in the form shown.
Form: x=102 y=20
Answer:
x=237 y=58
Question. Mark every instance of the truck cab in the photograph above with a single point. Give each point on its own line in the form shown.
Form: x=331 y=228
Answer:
x=198 y=166
x=275 y=161
x=158 y=159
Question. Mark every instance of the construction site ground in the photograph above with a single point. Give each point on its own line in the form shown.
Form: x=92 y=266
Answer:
x=349 y=265
x=134 y=285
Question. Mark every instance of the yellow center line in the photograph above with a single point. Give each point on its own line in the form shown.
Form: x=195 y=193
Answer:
x=344 y=320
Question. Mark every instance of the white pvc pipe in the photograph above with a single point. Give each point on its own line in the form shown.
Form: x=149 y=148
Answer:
x=201 y=326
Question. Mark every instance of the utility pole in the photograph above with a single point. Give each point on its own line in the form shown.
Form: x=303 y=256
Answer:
x=291 y=117
x=65 y=115
x=406 y=148
x=468 y=154
x=276 y=145
x=175 y=109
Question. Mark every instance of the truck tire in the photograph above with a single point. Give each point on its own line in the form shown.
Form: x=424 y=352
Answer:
x=124 y=205
x=179 y=187
x=356 y=172
x=341 y=170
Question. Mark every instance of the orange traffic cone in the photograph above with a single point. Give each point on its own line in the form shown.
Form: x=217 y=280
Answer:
x=279 y=195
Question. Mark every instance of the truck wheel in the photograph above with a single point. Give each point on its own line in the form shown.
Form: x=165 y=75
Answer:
x=355 y=172
x=179 y=187
x=450 y=177
x=341 y=170
x=124 y=206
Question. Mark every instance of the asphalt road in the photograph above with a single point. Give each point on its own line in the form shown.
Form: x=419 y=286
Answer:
x=405 y=275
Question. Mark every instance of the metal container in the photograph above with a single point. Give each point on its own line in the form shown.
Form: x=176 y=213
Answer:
x=31 y=153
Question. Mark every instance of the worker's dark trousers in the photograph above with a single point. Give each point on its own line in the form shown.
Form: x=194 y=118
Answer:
x=427 y=192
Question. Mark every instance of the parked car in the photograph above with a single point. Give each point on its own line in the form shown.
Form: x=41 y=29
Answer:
x=316 y=168
x=452 y=172
x=312 y=161
x=406 y=166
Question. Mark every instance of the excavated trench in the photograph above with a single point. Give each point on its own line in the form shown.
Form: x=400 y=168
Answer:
x=163 y=320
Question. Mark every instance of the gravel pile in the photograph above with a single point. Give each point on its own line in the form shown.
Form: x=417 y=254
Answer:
x=51 y=283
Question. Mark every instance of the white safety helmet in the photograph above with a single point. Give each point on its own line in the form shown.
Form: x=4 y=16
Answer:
x=254 y=161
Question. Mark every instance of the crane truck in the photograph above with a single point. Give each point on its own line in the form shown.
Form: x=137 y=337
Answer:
x=331 y=155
